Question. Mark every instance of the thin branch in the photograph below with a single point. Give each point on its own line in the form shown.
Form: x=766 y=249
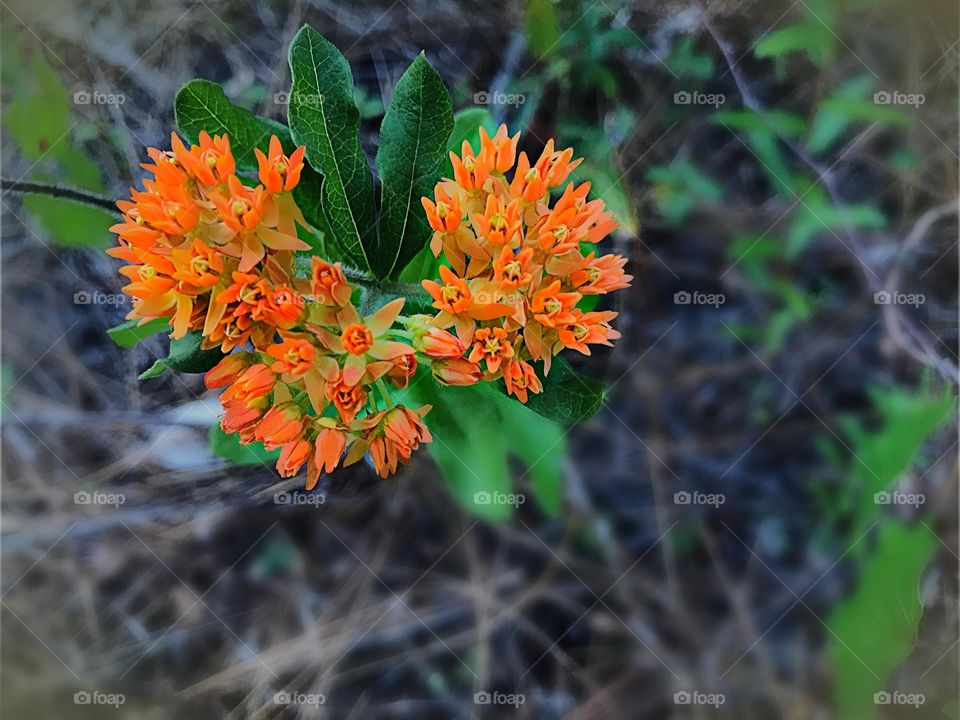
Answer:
x=59 y=191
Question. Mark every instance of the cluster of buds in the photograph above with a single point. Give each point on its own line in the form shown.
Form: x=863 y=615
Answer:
x=303 y=372
x=519 y=265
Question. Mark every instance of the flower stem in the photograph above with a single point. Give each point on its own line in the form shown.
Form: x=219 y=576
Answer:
x=59 y=191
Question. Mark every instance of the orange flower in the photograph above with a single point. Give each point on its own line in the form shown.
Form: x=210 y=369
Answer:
x=551 y=307
x=405 y=429
x=587 y=329
x=348 y=399
x=255 y=382
x=226 y=371
x=520 y=378
x=329 y=446
x=457 y=306
x=328 y=283
x=600 y=275
x=292 y=457
x=500 y=151
x=241 y=415
x=210 y=162
x=470 y=171
x=499 y=224
x=436 y=343
x=445 y=215
x=242 y=210
x=199 y=266
x=528 y=182
x=456 y=371
x=278 y=172
x=512 y=270
x=294 y=356
x=402 y=369
x=356 y=338
x=284 y=307
x=281 y=424
x=491 y=345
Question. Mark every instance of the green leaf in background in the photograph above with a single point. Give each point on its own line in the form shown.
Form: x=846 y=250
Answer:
x=229 y=448
x=324 y=118
x=129 y=333
x=202 y=105
x=413 y=144
x=543 y=30
x=678 y=188
x=185 y=356
x=809 y=36
x=828 y=125
x=40 y=119
x=873 y=629
x=881 y=457
x=762 y=132
x=684 y=61
x=567 y=396
x=475 y=430
x=816 y=214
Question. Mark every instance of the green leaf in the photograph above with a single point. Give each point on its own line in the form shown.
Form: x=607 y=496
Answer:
x=39 y=118
x=229 y=448
x=202 y=105
x=185 y=356
x=129 y=333
x=324 y=118
x=413 y=144
x=873 y=629
x=475 y=430
x=810 y=36
x=543 y=30
x=829 y=124
x=567 y=396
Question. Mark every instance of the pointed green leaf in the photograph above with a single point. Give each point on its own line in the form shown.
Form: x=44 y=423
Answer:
x=129 y=333
x=229 y=448
x=413 y=146
x=567 y=396
x=323 y=116
x=185 y=356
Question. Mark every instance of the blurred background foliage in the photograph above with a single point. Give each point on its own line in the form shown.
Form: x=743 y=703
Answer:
x=753 y=152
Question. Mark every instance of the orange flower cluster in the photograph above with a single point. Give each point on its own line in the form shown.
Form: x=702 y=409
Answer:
x=518 y=266
x=304 y=372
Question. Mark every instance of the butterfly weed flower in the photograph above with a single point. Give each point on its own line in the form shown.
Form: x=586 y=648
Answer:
x=520 y=264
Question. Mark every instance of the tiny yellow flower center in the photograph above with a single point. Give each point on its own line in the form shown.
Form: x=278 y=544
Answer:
x=560 y=233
